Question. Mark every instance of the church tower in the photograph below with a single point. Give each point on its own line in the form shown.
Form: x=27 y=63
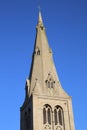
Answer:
x=47 y=106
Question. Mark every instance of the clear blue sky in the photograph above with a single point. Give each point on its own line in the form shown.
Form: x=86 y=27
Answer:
x=66 y=28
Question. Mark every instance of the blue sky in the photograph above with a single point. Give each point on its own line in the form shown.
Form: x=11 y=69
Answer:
x=66 y=28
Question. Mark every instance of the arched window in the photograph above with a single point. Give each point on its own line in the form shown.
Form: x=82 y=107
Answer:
x=59 y=116
x=60 y=112
x=55 y=116
x=37 y=51
x=44 y=116
x=47 y=114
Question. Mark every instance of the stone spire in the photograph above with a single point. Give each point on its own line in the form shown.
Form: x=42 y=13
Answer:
x=43 y=78
x=44 y=95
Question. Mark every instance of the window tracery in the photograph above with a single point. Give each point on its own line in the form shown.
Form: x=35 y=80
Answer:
x=47 y=114
x=53 y=118
x=59 y=117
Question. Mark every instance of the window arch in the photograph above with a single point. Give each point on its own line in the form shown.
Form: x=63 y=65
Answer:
x=58 y=116
x=37 y=51
x=47 y=114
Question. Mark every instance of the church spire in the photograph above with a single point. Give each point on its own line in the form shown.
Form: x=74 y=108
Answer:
x=45 y=98
x=43 y=75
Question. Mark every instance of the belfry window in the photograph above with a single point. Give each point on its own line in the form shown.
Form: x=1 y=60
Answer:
x=58 y=116
x=44 y=116
x=47 y=114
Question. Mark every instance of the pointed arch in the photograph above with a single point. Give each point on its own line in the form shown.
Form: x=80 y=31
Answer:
x=59 y=116
x=47 y=114
x=44 y=116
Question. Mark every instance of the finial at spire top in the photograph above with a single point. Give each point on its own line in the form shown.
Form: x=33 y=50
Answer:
x=40 y=16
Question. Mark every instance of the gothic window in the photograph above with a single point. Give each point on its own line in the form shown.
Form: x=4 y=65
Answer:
x=47 y=114
x=55 y=116
x=50 y=82
x=37 y=51
x=59 y=116
x=44 y=116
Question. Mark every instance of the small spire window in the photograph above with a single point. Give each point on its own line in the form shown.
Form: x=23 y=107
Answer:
x=50 y=82
x=37 y=51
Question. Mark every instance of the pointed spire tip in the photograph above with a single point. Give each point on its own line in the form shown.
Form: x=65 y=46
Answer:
x=40 y=16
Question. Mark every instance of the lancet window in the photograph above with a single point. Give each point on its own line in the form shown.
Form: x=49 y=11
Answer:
x=59 y=116
x=47 y=114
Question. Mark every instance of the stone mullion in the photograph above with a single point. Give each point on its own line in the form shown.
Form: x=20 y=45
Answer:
x=62 y=117
x=46 y=115
x=58 y=117
x=53 y=122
